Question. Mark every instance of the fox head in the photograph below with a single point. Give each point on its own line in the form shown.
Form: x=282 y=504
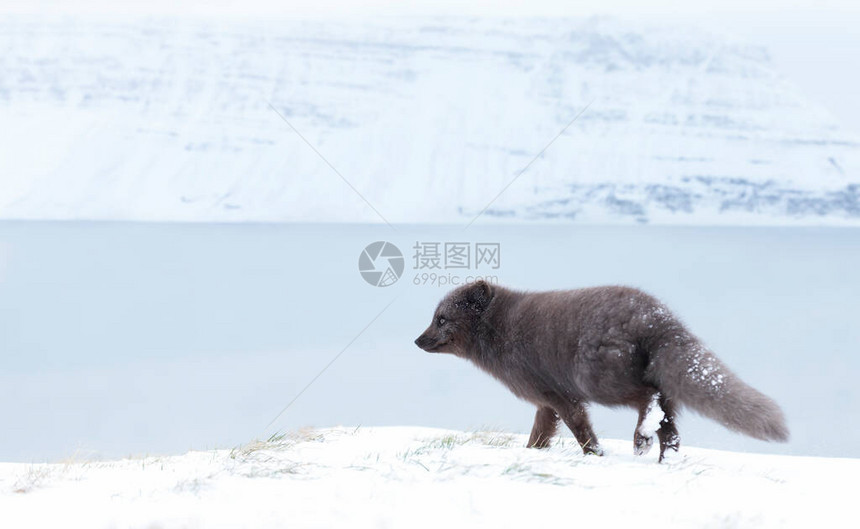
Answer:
x=456 y=320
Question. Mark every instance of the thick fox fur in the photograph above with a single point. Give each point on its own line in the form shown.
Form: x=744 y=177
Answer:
x=615 y=346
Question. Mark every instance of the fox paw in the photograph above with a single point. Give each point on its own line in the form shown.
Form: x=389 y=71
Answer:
x=642 y=444
x=665 y=454
x=672 y=443
x=592 y=450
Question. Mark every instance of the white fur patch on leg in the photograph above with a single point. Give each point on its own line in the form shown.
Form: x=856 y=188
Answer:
x=653 y=416
x=650 y=425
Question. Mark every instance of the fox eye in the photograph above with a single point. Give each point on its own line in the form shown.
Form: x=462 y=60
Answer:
x=441 y=321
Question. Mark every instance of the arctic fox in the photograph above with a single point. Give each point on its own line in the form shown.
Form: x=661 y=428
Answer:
x=615 y=346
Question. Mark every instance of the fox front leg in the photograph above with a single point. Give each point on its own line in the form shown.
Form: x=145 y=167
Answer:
x=546 y=424
x=575 y=416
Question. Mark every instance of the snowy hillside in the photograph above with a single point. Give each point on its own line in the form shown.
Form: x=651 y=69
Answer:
x=418 y=477
x=170 y=119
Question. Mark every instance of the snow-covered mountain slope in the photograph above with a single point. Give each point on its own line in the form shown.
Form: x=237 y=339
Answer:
x=428 y=119
x=418 y=477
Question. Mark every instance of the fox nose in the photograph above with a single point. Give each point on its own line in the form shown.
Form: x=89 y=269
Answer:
x=423 y=341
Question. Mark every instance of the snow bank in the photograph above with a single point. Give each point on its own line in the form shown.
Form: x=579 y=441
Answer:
x=419 y=477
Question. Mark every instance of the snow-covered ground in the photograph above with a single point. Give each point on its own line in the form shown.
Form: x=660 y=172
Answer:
x=420 y=477
x=428 y=118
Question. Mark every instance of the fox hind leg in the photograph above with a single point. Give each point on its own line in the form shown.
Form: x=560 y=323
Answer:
x=668 y=433
x=546 y=424
x=643 y=437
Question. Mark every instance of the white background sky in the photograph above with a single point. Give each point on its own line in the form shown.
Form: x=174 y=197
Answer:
x=815 y=43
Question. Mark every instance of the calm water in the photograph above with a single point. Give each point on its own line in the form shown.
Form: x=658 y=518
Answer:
x=120 y=338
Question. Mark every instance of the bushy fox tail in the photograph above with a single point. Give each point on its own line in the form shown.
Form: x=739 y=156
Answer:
x=686 y=372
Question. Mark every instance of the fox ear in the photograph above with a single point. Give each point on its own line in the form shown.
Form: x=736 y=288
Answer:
x=478 y=296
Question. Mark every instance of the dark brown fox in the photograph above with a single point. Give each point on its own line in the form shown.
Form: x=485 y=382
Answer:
x=615 y=346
